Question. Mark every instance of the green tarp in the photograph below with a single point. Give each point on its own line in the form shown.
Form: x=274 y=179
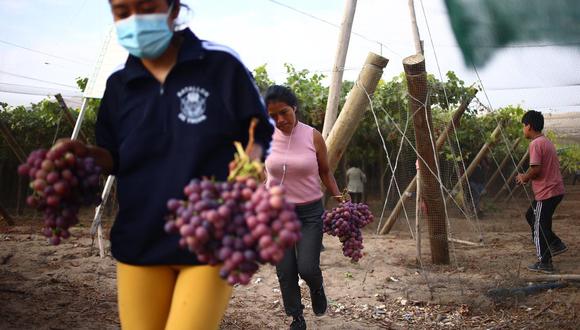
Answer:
x=481 y=27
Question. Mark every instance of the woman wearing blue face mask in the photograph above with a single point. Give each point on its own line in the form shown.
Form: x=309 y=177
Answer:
x=169 y=115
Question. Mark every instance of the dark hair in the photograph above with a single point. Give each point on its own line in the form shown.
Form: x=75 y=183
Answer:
x=179 y=24
x=535 y=119
x=278 y=93
x=169 y=2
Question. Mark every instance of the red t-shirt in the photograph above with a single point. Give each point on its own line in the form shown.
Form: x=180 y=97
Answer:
x=549 y=183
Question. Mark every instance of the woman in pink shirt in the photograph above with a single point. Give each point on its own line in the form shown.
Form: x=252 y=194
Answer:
x=298 y=161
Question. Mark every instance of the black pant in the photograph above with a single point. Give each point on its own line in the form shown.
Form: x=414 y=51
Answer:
x=355 y=197
x=539 y=217
x=303 y=259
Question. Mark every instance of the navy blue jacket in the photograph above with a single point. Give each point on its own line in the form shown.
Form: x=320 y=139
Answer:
x=163 y=135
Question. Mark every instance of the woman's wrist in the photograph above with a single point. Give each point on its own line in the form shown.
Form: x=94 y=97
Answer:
x=102 y=157
x=337 y=196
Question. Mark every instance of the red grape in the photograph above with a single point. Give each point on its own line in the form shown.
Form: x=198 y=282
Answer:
x=346 y=221
x=239 y=225
x=55 y=177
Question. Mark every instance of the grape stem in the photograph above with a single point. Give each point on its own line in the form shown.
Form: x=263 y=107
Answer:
x=244 y=166
x=344 y=197
x=252 y=129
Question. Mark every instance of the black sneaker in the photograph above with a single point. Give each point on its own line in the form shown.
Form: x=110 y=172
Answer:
x=558 y=248
x=298 y=323
x=541 y=267
x=319 y=303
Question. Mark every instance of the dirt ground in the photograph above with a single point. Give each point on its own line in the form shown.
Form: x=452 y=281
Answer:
x=565 y=124
x=71 y=287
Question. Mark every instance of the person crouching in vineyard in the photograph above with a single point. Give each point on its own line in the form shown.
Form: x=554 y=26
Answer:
x=298 y=162
x=171 y=114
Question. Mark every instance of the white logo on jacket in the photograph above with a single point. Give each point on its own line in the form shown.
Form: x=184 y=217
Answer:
x=193 y=103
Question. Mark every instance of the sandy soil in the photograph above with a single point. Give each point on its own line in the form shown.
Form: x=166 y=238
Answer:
x=566 y=125
x=70 y=287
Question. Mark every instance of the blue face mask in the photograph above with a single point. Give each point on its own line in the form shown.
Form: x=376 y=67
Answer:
x=145 y=36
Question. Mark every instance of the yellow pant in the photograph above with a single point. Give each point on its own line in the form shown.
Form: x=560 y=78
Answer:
x=171 y=297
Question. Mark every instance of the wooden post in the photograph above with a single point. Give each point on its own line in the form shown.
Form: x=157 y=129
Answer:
x=338 y=68
x=21 y=156
x=454 y=123
x=19 y=191
x=68 y=115
x=4 y=215
x=480 y=155
x=419 y=106
x=354 y=108
x=11 y=141
x=417 y=217
x=502 y=164
x=415 y=29
x=512 y=176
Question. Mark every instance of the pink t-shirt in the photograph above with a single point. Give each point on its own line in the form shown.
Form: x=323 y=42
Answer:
x=549 y=183
x=295 y=152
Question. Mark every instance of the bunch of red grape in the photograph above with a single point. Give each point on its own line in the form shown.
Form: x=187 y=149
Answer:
x=345 y=221
x=241 y=224
x=61 y=183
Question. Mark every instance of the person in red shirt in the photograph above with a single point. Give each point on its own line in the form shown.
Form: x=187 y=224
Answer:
x=548 y=187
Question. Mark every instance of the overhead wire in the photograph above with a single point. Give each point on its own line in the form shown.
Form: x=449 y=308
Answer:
x=302 y=12
x=36 y=90
x=76 y=61
x=533 y=87
x=69 y=26
x=37 y=79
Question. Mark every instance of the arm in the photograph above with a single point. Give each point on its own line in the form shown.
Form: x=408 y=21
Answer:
x=532 y=173
x=242 y=97
x=257 y=152
x=323 y=167
x=535 y=168
x=102 y=156
x=106 y=150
